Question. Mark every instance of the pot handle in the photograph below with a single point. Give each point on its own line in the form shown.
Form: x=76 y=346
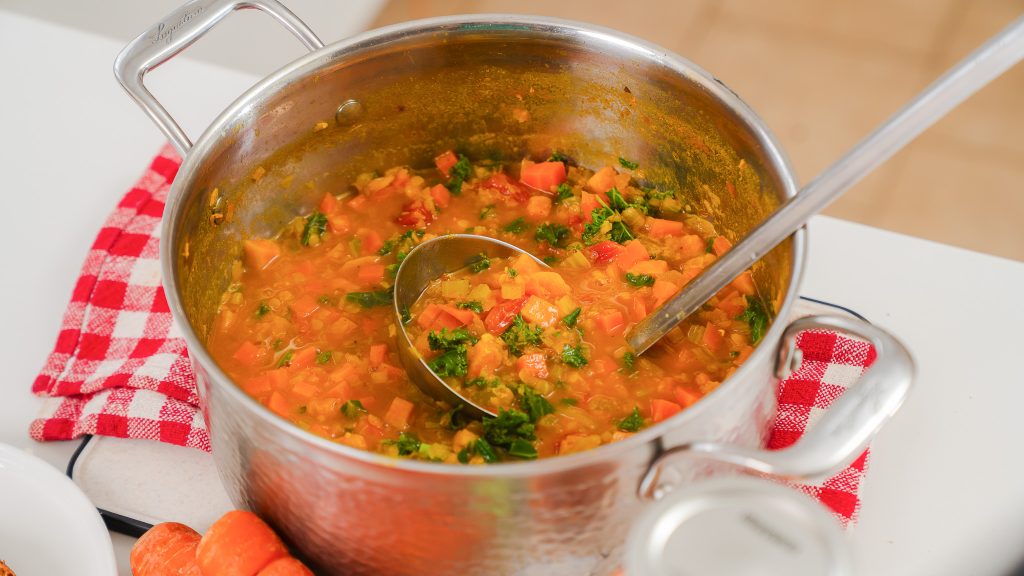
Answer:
x=841 y=434
x=177 y=31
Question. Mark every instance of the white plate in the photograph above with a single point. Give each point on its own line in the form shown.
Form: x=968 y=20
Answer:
x=47 y=525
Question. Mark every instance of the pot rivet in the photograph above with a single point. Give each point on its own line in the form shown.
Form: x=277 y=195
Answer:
x=349 y=113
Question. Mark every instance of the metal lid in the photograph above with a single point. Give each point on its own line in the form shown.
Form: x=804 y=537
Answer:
x=737 y=526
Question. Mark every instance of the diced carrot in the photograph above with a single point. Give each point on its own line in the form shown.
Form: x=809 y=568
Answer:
x=338 y=223
x=485 y=356
x=238 y=544
x=167 y=549
x=357 y=203
x=532 y=366
x=463 y=316
x=638 y=310
x=662 y=290
x=429 y=315
x=685 y=397
x=663 y=409
x=611 y=321
x=250 y=354
x=370 y=241
x=502 y=315
x=303 y=357
x=659 y=228
x=607 y=251
x=304 y=306
x=370 y=274
x=720 y=245
x=277 y=379
x=539 y=207
x=305 y=390
x=635 y=252
x=260 y=253
x=539 y=311
x=588 y=203
x=441 y=195
x=398 y=413
x=714 y=338
x=445 y=161
x=733 y=305
x=543 y=175
x=744 y=283
x=285 y=567
x=377 y=354
x=602 y=181
x=329 y=204
x=650 y=267
x=279 y=405
x=257 y=386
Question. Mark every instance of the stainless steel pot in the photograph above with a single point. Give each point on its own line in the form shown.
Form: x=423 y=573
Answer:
x=399 y=95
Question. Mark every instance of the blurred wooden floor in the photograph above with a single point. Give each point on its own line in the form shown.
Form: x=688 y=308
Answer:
x=822 y=73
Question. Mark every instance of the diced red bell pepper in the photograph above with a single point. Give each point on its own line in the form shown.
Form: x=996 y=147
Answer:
x=607 y=251
x=502 y=315
x=445 y=161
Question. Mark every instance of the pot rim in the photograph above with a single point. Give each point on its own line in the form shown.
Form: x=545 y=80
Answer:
x=559 y=28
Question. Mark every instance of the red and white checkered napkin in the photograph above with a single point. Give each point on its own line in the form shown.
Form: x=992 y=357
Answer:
x=120 y=367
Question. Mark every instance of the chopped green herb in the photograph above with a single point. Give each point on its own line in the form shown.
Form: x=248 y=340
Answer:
x=549 y=260
x=452 y=363
x=629 y=361
x=482 y=263
x=481 y=382
x=302 y=409
x=454 y=419
x=617 y=230
x=352 y=409
x=448 y=340
x=517 y=226
x=519 y=335
x=480 y=447
x=386 y=249
x=571 y=319
x=406 y=315
x=392 y=269
x=756 y=316
x=371 y=299
x=487 y=211
x=471 y=305
x=522 y=449
x=284 y=360
x=710 y=245
x=316 y=225
x=553 y=234
x=512 y=273
x=627 y=164
x=324 y=356
x=407 y=444
x=569 y=401
x=563 y=193
x=640 y=279
x=535 y=405
x=458 y=175
x=573 y=356
x=633 y=422
x=262 y=310
x=507 y=427
x=324 y=300
x=559 y=157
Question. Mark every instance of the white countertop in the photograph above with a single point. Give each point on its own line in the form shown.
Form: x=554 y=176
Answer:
x=943 y=495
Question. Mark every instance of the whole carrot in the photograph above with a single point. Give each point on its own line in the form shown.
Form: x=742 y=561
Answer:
x=238 y=544
x=167 y=549
x=285 y=567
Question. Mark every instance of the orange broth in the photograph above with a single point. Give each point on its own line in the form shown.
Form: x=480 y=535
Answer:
x=308 y=328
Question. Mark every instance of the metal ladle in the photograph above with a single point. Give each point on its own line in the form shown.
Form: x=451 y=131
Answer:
x=446 y=254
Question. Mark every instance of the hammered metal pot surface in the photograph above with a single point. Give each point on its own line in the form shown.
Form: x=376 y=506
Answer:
x=463 y=83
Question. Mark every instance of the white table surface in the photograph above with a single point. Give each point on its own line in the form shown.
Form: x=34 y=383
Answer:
x=943 y=496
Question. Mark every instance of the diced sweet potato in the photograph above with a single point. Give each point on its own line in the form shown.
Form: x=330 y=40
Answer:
x=259 y=253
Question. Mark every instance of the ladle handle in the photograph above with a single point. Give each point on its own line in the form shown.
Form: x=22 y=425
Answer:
x=177 y=31
x=972 y=73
